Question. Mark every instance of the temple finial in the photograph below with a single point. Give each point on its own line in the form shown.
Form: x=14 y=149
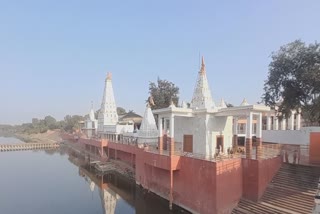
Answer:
x=203 y=66
x=150 y=102
x=109 y=76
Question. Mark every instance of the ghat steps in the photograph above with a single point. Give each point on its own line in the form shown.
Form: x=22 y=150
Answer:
x=291 y=191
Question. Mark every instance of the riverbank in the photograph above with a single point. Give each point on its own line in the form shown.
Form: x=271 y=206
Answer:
x=48 y=137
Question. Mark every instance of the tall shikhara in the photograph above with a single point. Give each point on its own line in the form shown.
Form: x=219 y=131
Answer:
x=108 y=111
x=202 y=98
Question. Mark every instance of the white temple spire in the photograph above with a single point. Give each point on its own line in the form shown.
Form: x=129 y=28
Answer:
x=148 y=132
x=222 y=103
x=202 y=98
x=244 y=102
x=91 y=114
x=203 y=66
x=108 y=111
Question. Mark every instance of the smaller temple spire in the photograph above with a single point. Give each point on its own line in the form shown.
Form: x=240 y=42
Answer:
x=148 y=132
x=172 y=105
x=244 y=102
x=222 y=103
x=109 y=76
x=91 y=114
x=203 y=66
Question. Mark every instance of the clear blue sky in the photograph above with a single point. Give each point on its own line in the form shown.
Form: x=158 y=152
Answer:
x=54 y=55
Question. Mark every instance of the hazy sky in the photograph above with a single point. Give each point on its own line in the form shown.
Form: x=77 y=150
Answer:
x=54 y=55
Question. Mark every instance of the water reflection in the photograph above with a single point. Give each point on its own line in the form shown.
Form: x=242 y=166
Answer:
x=59 y=181
x=115 y=189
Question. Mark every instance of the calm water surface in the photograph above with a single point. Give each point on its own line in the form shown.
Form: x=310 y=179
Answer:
x=10 y=140
x=50 y=182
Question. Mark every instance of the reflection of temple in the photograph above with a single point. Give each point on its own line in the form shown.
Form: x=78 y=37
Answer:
x=108 y=200
x=108 y=197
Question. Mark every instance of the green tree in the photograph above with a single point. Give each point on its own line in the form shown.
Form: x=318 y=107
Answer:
x=294 y=80
x=50 y=122
x=71 y=123
x=121 y=110
x=229 y=105
x=35 y=121
x=163 y=92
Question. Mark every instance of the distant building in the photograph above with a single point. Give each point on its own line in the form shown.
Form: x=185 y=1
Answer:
x=90 y=125
x=132 y=117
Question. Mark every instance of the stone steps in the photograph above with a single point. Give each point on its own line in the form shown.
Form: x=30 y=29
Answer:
x=291 y=191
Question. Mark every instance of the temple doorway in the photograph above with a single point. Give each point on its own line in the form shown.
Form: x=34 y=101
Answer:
x=220 y=143
x=188 y=143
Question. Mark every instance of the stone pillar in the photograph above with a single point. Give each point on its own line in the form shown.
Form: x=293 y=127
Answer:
x=235 y=141
x=165 y=128
x=259 y=136
x=171 y=138
x=268 y=122
x=249 y=136
x=298 y=120
x=283 y=124
x=275 y=122
x=235 y=132
x=235 y=126
x=160 y=143
x=171 y=190
x=259 y=148
x=291 y=121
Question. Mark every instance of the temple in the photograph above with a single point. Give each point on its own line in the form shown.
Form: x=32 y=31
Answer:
x=108 y=122
x=190 y=154
x=90 y=124
x=205 y=129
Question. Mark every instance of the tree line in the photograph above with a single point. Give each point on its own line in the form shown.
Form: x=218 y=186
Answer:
x=68 y=124
x=293 y=81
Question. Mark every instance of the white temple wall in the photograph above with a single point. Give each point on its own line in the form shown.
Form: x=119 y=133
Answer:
x=295 y=137
x=191 y=126
x=100 y=123
x=150 y=141
x=124 y=128
x=218 y=126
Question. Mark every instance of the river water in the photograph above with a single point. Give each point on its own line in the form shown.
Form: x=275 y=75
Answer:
x=57 y=181
x=9 y=140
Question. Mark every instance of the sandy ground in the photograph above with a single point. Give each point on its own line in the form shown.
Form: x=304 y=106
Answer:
x=48 y=137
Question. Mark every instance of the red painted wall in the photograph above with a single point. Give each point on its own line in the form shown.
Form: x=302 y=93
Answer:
x=194 y=185
x=128 y=158
x=198 y=185
x=314 y=149
x=257 y=174
x=228 y=185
